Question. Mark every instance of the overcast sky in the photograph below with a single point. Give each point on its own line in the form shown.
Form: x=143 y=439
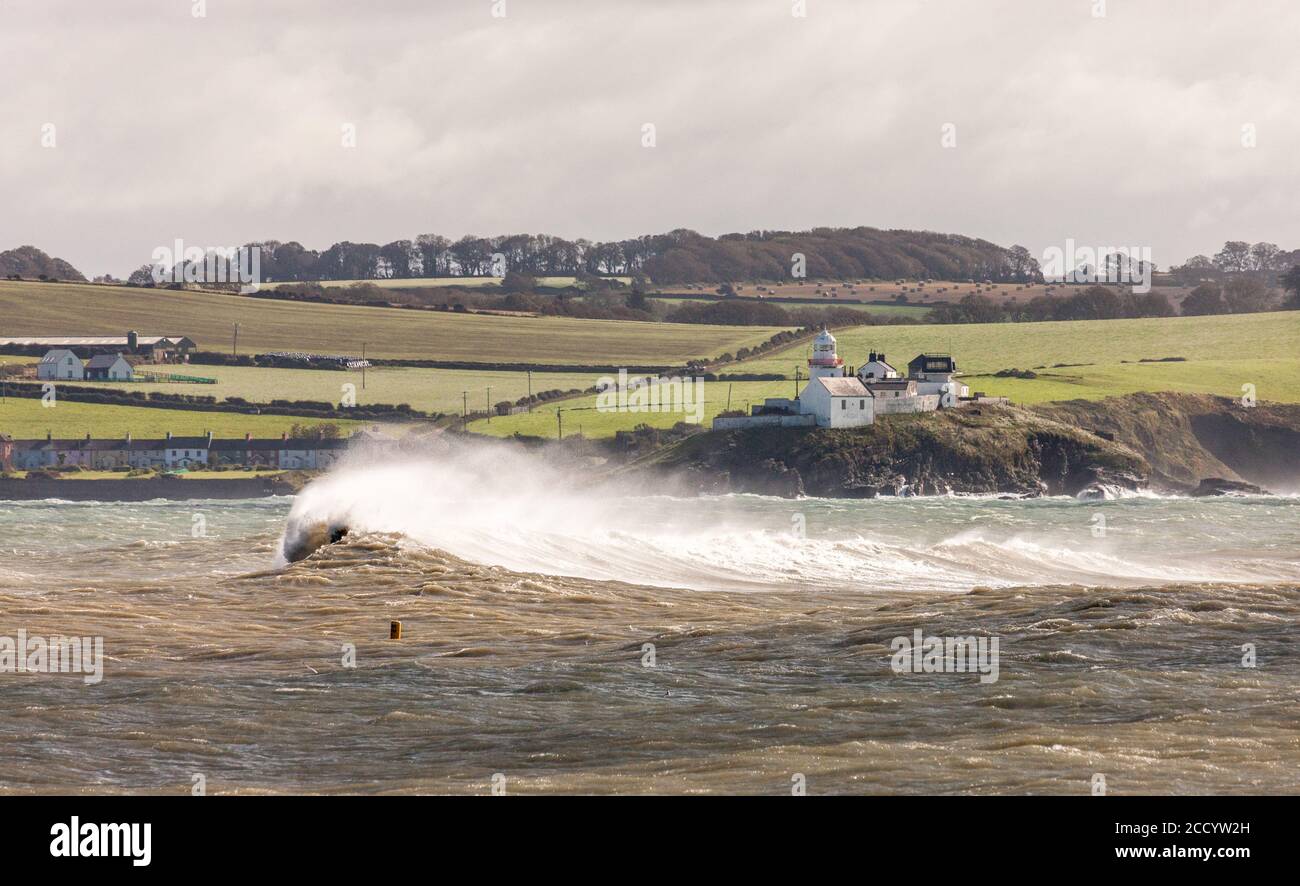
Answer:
x=1125 y=129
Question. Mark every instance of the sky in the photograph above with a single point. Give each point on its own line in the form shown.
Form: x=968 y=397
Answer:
x=124 y=126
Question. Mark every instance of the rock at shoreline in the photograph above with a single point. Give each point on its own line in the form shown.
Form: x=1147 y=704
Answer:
x=1219 y=486
x=996 y=449
x=1092 y=449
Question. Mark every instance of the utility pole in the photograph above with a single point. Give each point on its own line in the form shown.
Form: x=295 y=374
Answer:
x=796 y=383
x=530 y=390
x=489 y=404
x=559 y=423
x=728 y=398
x=363 y=366
x=464 y=409
x=234 y=347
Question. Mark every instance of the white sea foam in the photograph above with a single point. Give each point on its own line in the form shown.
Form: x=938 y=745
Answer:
x=508 y=509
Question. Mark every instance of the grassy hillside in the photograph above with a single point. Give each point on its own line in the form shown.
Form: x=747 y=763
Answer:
x=424 y=282
x=266 y=325
x=915 y=311
x=26 y=418
x=1101 y=356
x=1223 y=354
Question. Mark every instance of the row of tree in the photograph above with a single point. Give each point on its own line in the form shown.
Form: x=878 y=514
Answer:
x=680 y=256
x=1239 y=295
x=1093 y=303
x=1265 y=260
x=1243 y=295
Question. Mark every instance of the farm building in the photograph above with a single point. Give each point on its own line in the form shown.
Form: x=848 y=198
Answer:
x=153 y=348
x=60 y=365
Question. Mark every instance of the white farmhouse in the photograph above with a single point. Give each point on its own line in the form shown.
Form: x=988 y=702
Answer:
x=108 y=367
x=60 y=365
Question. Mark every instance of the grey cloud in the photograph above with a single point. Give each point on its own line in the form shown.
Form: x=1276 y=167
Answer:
x=218 y=130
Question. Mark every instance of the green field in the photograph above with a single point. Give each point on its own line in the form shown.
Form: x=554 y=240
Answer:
x=27 y=419
x=425 y=282
x=428 y=390
x=917 y=311
x=49 y=309
x=1223 y=354
x=581 y=416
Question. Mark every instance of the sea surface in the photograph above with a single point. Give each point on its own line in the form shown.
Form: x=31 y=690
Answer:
x=561 y=635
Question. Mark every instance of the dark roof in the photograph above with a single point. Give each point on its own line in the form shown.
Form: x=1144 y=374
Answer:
x=239 y=444
x=891 y=384
x=103 y=361
x=944 y=363
x=105 y=445
x=228 y=444
x=187 y=442
x=333 y=443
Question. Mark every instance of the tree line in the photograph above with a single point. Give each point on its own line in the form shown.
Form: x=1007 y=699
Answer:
x=1239 y=295
x=1265 y=260
x=680 y=256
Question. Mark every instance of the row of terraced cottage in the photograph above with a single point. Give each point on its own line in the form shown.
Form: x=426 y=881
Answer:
x=173 y=452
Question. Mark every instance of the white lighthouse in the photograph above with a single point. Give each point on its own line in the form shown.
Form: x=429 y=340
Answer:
x=824 y=362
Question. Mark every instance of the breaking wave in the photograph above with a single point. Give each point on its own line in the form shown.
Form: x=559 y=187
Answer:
x=504 y=508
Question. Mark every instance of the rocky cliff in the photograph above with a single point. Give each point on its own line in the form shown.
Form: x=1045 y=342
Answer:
x=1171 y=441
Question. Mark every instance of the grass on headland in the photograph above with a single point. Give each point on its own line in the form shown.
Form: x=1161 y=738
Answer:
x=276 y=325
x=1223 y=354
x=989 y=347
x=581 y=416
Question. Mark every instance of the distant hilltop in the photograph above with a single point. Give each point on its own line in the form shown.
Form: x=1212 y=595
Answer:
x=31 y=263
